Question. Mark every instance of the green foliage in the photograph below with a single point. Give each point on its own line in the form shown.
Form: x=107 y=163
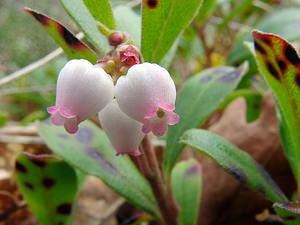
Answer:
x=237 y=162
x=129 y=21
x=3 y=118
x=81 y=15
x=206 y=10
x=281 y=22
x=36 y=115
x=71 y=45
x=238 y=10
x=199 y=97
x=90 y=151
x=186 y=186
x=279 y=62
x=289 y=212
x=49 y=186
x=101 y=11
x=162 y=23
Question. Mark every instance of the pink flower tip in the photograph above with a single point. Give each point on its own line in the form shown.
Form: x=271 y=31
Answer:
x=159 y=118
x=60 y=117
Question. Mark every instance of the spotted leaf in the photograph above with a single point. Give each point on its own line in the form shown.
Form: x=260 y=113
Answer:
x=162 y=22
x=72 y=46
x=289 y=212
x=90 y=151
x=49 y=186
x=186 y=186
x=279 y=63
x=237 y=162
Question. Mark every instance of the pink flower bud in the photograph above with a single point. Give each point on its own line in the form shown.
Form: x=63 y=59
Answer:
x=147 y=94
x=82 y=90
x=129 y=55
x=124 y=133
x=116 y=38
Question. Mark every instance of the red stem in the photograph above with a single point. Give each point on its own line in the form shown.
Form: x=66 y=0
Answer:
x=149 y=166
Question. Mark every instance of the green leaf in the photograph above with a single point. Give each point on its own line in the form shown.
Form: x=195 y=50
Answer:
x=283 y=22
x=279 y=63
x=81 y=15
x=49 y=186
x=90 y=151
x=237 y=162
x=72 y=46
x=162 y=23
x=237 y=10
x=101 y=11
x=186 y=187
x=200 y=96
x=206 y=10
x=129 y=21
x=289 y=212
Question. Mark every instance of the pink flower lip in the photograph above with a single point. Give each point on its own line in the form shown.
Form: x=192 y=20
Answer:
x=60 y=117
x=158 y=119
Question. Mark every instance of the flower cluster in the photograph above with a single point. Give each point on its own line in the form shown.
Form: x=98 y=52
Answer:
x=142 y=101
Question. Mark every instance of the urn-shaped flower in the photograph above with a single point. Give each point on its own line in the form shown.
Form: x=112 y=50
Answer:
x=124 y=133
x=147 y=94
x=82 y=90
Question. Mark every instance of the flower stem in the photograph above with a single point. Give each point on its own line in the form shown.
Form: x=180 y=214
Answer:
x=149 y=165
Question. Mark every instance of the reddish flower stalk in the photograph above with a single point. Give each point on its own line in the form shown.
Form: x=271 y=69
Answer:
x=148 y=164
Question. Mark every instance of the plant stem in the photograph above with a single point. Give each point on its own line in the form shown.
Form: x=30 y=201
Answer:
x=150 y=167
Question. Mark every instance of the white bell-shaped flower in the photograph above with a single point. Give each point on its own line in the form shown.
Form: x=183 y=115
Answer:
x=124 y=133
x=147 y=94
x=82 y=90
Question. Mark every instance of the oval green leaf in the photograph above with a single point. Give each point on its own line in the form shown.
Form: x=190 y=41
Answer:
x=82 y=17
x=237 y=162
x=200 y=96
x=186 y=187
x=162 y=22
x=90 y=151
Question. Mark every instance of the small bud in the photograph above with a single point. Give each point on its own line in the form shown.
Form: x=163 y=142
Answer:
x=129 y=55
x=147 y=94
x=82 y=90
x=108 y=64
x=124 y=133
x=116 y=38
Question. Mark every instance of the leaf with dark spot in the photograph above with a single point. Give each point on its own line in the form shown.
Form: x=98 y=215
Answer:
x=20 y=168
x=237 y=162
x=47 y=188
x=48 y=182
x=280 y=67
x=64 y=208
x=72 y=46
x=152 y=4
x=90 y=151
